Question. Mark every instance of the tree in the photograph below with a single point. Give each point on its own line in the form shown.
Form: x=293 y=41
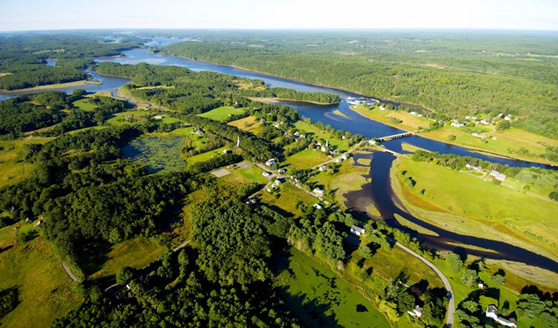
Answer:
x=124 y=275
x=454 y=261
x=366 y=252
x=469 y=278
x=405 y=302
x=498 y=280
x=554 y=195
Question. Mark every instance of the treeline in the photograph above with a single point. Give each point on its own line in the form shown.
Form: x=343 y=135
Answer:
x=23 y=57
x=35 y=111
x=207 y=291
x=456 y=92
x=457 y=162
x=291 y=94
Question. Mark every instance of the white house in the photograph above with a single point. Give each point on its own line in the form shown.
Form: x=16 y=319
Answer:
x=372 y=142
x=317 y=206
x=492 y=312
x=271 y=162
x=266 y=174
x=318 y=192
x=323 y=168
x=345 y=156
x=478 y=135
x=472 y=167
x=497 y=175
x=417 y=312
x=276 y=184
x=227 y=151
x=158 y=117
x=357 y=230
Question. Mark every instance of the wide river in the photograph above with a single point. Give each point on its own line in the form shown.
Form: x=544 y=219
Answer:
x=379 y=192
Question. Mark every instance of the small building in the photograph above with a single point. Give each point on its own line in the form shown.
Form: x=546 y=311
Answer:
x=474 y=168
x=158 y=117
x=266 y=174
x=497 y=175
x=227 y=151
x=317 y=206
x=338 y=160
x=322 y=168
x=199 y=132
x=251 y=201
x=357 y=230
x=492 y=312
x=372 y=142
x=281 y=171
x=38 y=223
x=478 y=135
x=318 y=192
x=276 y=184
x=480 y=285
x=27 y=220
x=271 y=162
x=324 y=149
x=345 y=156
x=417 y=312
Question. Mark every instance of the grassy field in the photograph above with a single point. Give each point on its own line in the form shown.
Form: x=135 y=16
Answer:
x=135 y=253
x=507 y=142
x=305 y=159
x=408 y=121
x=222 y=113
x=250 y=124
x=129 y=117
x=54 y=86
x=319 y=298
x=12 y=168
x=289 y=196
x=205 y=156
x=84 y=104
x=45 y=291
x=335 y=143
x=246 y=175
x=472 y=206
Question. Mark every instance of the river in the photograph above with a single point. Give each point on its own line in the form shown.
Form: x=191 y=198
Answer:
x=379 y=192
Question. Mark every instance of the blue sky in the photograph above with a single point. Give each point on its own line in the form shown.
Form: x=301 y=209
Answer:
x=18 y=15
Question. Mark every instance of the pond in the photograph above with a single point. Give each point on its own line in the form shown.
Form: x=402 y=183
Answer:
x=159 y=154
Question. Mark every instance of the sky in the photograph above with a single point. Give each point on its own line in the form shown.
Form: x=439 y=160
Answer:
x=19 y=15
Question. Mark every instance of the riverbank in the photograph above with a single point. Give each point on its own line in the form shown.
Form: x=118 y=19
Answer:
x=267 y=100
x=50 y=86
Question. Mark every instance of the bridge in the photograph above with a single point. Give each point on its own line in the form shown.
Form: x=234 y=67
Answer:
x=397 y=136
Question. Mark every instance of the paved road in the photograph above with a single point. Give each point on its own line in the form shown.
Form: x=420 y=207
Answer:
x=451 y=305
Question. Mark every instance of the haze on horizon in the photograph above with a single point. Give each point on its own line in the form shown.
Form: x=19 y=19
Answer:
x=23 y=15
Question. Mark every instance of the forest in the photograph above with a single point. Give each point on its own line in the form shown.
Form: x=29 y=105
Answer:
x=450 y=73
x=23 y=57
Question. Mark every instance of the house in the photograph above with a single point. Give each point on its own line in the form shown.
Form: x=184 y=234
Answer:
x=484 y=122
x=158 y=117
x=318 y=192
x=372 y=142
x=324 y=148
x=227 y=151
x=270 y=162
x=276 y=184
x=357 y=230
x=413 y=113
x=266 y=174
x=478 y=135
x=296 y=134
x=472 y=167
x=345 y=156
x=38 y=223
x=317 y=206
x=338 y=160
x=251 y=201
x=457 y=125
x=27 y=220
x=492 y=312
x=501 y=115
x=199 y=132
x=480 y=285
x=417 y=312
x=507 y=118
x=497 y=175
x=323 y=168
x=281 y=171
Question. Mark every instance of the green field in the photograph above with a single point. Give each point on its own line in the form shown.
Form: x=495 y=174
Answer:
x=205 y=156
x=289 y=197
x=12 y=167
x=472 y=206
x=84 y=104
x=129 y=117
x=135 y=253
x=319 y=298
x=408 y=122
x=305 y=159
x=245 y=175
x=222 y=113
x=45 y=291
x=249 y=124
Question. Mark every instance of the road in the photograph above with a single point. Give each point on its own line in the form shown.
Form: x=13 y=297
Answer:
x=451 y=305
x=69 y=273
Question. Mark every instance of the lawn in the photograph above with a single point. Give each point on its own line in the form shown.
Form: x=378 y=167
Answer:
x=250 y=124
x=409 y=122
x=12 y=168
x=289 y=196
x=305 y=159
x=247 y=175
x=135 y=253
x=335 y=143
x=319 y=298
x=472 y=206
x=85 y=104
x=205 y=156
x=222 y=113
x=45 y=291
x=507 y=142
x=129 y=117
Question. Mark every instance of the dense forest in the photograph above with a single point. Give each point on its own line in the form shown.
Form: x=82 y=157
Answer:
x=23 y=57
x=453 y=74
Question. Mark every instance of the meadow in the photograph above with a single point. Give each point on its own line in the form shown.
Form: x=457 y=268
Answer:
x=159 y=154
x=223 y=113
x=12 y=164
x=398 y=119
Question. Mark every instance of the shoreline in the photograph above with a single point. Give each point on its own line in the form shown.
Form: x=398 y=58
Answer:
x=385 y=100
x=268 y=100
x=50 y=86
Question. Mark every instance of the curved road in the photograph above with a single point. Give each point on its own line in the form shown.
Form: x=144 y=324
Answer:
x=451 y=305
